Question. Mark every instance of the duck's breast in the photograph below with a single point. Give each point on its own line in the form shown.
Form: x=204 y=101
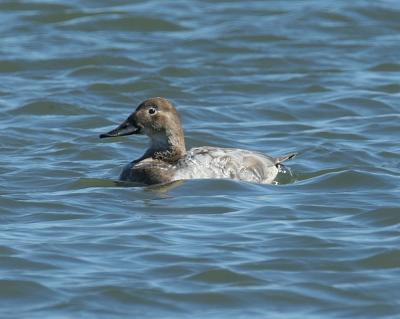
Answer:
x=148 y=171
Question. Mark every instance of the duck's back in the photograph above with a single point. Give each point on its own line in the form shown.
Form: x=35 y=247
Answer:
x=213 y=162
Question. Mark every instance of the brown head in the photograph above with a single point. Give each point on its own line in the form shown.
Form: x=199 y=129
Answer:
x=158 y=119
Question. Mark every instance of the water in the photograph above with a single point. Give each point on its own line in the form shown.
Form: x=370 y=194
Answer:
x=317 y=77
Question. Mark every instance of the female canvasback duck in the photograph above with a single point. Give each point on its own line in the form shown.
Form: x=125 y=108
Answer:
x=167 y=160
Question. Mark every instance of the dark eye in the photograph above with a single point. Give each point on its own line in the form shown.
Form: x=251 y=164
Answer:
x=152 y=110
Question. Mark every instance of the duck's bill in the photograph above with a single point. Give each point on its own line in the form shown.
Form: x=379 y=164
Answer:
x=124 y=129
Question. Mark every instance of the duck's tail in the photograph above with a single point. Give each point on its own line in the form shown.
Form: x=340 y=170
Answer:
x=280 y=159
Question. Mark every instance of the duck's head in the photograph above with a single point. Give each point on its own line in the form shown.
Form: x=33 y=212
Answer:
x=152 y=117
x=157 y=118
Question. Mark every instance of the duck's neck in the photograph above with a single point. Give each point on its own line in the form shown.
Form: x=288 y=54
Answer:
x=166 y=147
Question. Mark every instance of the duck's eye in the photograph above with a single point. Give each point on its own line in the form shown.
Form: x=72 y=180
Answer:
x=152 y=110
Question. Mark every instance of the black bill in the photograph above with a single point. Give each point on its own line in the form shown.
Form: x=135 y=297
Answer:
x=126 y=128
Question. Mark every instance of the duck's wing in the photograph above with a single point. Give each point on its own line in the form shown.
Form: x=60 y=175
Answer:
x=214 y=162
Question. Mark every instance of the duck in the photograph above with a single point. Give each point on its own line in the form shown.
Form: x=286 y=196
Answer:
x=167 y=160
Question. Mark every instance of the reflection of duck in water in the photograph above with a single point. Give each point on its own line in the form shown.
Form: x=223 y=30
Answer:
x=167 y=159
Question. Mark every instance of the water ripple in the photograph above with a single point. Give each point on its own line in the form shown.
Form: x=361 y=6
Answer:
x=317 y=78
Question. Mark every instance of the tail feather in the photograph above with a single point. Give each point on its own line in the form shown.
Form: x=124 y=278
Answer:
x=280 y=159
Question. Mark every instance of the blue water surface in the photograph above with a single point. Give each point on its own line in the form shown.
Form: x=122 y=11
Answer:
x=317 y=77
